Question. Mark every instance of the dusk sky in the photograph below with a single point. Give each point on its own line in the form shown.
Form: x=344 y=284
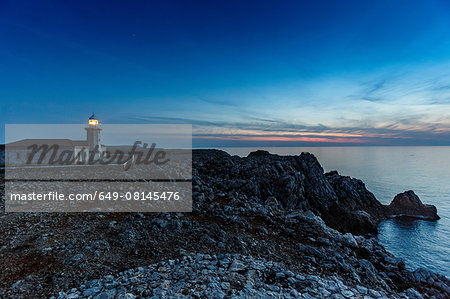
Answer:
x=243 y=73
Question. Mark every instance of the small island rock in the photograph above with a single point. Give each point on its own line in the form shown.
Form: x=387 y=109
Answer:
x=408 y=204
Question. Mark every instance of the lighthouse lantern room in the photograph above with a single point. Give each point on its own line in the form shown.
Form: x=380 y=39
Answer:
x=93 y=135
x=93 y=121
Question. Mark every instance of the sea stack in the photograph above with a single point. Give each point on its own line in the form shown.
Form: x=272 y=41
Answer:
x=408 y=205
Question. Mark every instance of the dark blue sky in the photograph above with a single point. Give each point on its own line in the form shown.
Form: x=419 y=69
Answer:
x=244 y=73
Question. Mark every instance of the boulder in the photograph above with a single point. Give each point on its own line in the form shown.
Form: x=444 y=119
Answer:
x=408 y=204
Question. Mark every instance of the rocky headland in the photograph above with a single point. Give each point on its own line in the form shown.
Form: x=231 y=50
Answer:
x=261 y=226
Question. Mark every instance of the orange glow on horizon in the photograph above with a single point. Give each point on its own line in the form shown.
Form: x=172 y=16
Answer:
x=294 y=136
x=306 y=139
x=283 y=138
x=331 y=134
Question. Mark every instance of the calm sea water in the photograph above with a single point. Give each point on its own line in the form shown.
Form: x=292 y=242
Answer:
x=386 y=172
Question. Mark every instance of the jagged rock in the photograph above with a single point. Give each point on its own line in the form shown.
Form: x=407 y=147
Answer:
x=413 y=294
x=292 y=182
x=349 y=240
x=357 y=210
x=259 y=153
x=408 y=204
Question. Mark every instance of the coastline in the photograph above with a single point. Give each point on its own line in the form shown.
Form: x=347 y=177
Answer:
x=268 y=221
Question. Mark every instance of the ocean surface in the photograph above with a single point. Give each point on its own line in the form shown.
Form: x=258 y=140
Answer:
x=387 y=171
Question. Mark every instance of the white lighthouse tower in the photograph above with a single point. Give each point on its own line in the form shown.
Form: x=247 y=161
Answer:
x=93 y=136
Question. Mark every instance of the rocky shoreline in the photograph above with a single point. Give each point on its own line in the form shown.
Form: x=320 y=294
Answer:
x=263 y=225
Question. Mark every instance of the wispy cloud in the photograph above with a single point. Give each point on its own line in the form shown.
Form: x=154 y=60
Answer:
x=391 y=107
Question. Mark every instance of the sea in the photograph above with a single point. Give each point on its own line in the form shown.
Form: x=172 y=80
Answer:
x=387 y=171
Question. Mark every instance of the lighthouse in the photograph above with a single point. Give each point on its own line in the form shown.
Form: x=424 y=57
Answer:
x=93 y=135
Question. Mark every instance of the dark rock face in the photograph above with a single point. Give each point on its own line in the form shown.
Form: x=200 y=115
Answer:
x=408 y=204
x=357 y=210
x=293 y=182
x=259 y=153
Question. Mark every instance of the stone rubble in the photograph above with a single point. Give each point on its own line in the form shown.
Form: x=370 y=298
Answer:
x=221 y=276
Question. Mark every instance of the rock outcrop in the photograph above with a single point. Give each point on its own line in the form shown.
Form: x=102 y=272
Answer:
x=357 y=210
x=294 y=182
x=408 y=204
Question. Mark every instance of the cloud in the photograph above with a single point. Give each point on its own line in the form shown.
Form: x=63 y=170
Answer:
x=215 y=102
x=405 y=131
x=407 y=106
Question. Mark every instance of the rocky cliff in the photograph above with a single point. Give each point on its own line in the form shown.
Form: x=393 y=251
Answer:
x=264 y=225
x=293 y=182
